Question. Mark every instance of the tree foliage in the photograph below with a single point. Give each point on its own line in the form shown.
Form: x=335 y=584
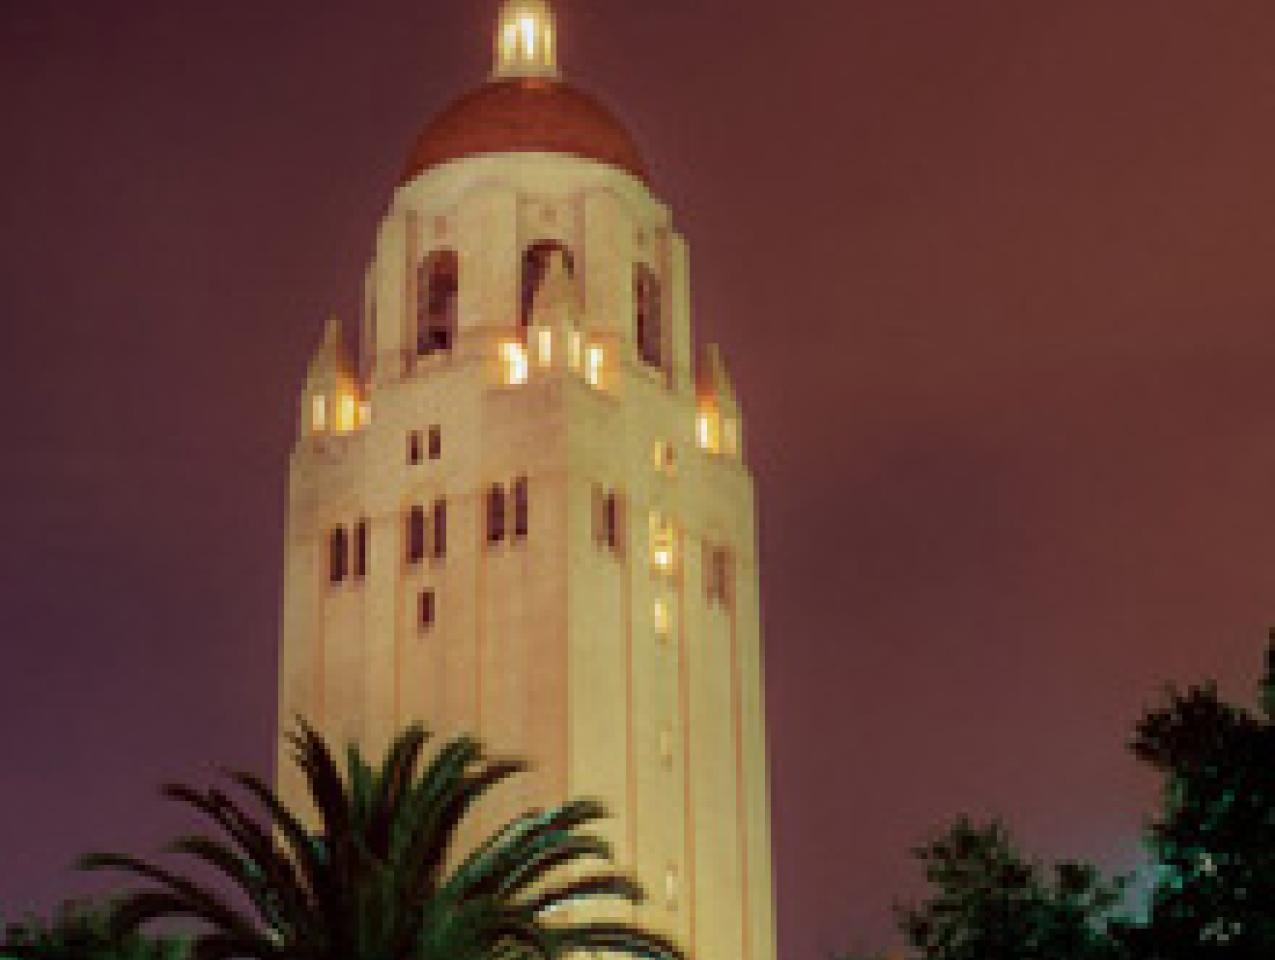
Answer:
x=990 y=903
x=1212 y=844
x=81 y=931
x=1214 y=839
x=373 y=881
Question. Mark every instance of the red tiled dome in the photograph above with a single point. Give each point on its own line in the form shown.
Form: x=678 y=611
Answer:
x=541 y=115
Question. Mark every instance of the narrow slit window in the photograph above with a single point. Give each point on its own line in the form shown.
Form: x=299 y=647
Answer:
x=663 y=542
x=347 y=414
x=426 y=610
x=544 y=347
x=360 y=550
x=338 y=555
x=520 y=508
x=414 y=447
x=435 y=442
x=612 y=517
x=415 y=535
x=649 y=331
x=608 y=519
x=318 y=414
x=593 y=359
x=513 y=363
x=664 y=457
x=495 y=513
x=661 y=619
x=440 y=529
x=719 y=574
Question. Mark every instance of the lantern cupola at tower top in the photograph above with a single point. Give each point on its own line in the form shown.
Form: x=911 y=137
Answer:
x=526 y=106
x=526 y=40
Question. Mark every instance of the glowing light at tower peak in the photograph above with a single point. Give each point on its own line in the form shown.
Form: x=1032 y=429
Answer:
x=526 y=40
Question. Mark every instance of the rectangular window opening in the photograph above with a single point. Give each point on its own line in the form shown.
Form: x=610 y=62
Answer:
x=414 y=447
x=495 y=513
x=435 y=442
x=440 y=529
x=338 y=555
x=415 y=535
x=544 y=347
x=520 y=508
x=661 y=619
x=360 y=550
x=608 y=519
x=718 y=563
x=611 y=520
x=664 y=457
x=663 y=542
x=513 y=361
x=649 y=333
x=593 y=366
x=426 y=611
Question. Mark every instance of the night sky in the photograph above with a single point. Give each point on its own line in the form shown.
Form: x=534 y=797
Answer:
x=996 y=281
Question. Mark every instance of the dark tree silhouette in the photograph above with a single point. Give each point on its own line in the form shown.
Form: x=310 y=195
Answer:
x=990 y=903
x=82 y=931
x=1214 y=840
x=1212 y=844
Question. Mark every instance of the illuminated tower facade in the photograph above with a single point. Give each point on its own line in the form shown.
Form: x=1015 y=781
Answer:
x=523 y=511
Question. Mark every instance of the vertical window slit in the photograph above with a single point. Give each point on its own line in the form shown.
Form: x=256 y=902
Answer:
x=495 y=513
x=520 y=508
x=415 y=535
x=440 y=529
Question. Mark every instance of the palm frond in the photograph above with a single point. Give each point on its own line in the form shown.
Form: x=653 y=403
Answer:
x=315 y=760
x=198 y=902
x=432 y=839
x=618 y=938
x=391 y=785
x=306 y=849
x=601 y=886
x=526 y=839
x=255 y=841
x=552 y=853
x=134 y=910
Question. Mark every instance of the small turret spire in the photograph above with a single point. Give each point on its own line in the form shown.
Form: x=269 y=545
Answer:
x=331 y=359
x=526 y=40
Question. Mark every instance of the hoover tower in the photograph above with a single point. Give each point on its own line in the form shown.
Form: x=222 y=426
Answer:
x=521 y=509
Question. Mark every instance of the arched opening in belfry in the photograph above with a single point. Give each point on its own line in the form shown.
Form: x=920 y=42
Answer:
x=648 y=316
x=437 y=288
x=535 y=266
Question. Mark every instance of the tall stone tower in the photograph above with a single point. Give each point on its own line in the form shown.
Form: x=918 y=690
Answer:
x=524 y=511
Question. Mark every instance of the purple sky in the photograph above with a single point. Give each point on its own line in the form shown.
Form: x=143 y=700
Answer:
x=996 y=280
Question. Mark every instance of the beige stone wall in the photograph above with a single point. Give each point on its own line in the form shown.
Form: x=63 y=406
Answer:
x=547 y=648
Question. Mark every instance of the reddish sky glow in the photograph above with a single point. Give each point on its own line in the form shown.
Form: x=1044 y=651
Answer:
x=996 y=281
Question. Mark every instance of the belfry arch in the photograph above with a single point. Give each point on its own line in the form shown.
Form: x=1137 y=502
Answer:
x=437 y=295
x=534 y=268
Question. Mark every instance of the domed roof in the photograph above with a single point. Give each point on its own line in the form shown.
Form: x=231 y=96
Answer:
x=539 y=114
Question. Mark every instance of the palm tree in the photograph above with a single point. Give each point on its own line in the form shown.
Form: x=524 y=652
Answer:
x=372 y=882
